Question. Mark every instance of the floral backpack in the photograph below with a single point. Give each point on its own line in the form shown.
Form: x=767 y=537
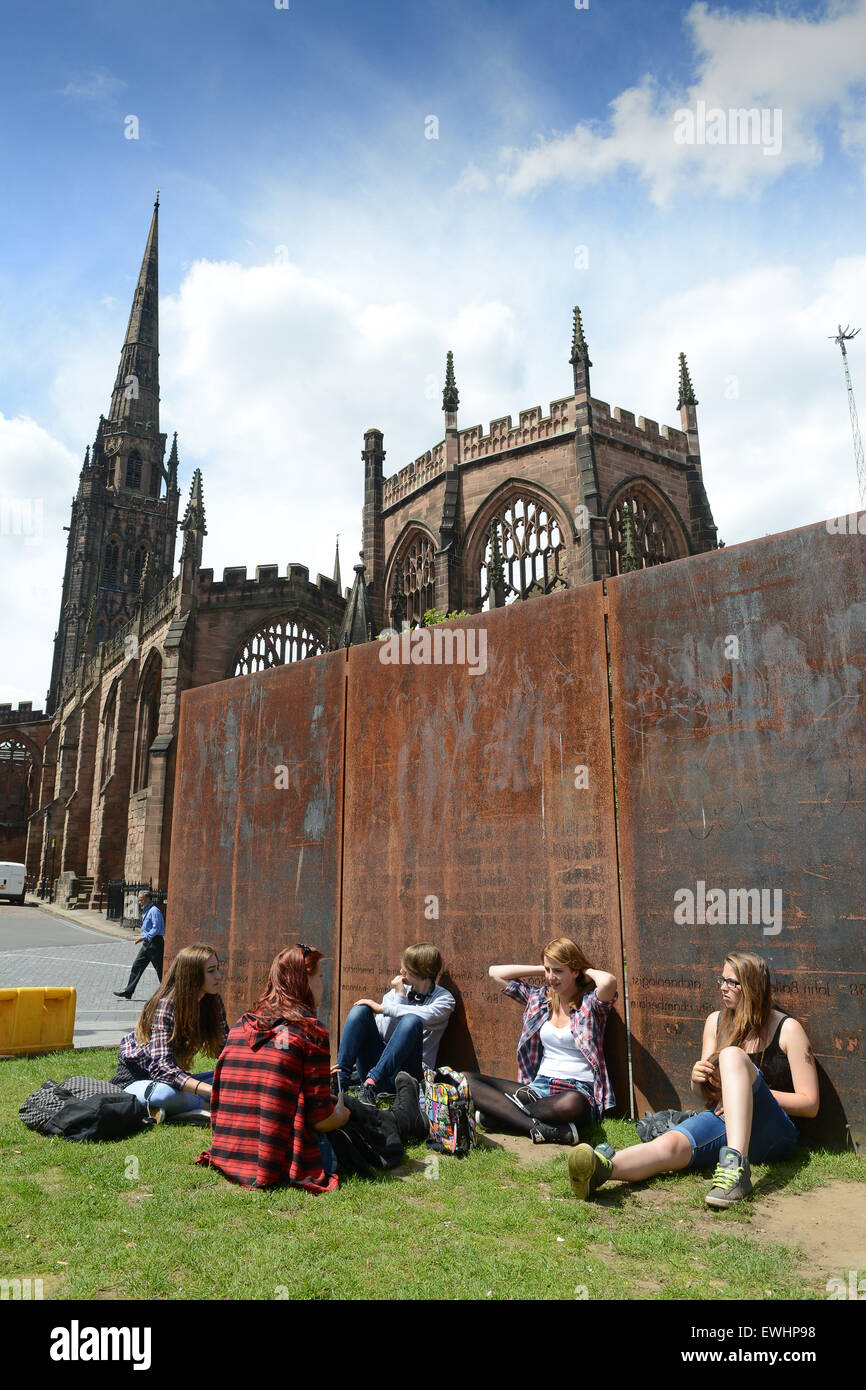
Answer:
x=450 y=1114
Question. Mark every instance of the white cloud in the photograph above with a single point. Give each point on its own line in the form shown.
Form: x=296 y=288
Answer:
x=801 y=68
x=34 y=507
x=97 y=86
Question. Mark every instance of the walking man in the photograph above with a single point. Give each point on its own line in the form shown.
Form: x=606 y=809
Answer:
x=151 y=942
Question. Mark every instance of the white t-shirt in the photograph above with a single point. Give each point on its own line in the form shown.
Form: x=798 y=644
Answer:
x=561 y=1058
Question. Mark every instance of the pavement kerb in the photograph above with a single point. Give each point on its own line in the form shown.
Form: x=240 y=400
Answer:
x=84 y=917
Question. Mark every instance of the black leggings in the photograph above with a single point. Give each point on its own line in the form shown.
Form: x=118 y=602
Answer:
x=489 y=1096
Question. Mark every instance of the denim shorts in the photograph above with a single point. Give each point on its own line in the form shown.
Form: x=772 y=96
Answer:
x=774 y=1134
x=545 y=1086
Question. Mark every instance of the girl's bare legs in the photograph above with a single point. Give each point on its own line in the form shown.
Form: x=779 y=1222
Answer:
x=666 y=1154
x=737 y=1074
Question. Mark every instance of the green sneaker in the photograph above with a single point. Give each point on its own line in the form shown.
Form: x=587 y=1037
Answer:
x=732 y=1180
x=589 y=1168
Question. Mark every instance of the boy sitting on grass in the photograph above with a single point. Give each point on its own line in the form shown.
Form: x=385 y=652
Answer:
x=402 y=1033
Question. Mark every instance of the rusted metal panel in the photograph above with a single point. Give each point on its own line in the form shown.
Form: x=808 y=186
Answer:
x=739 y=689
x=256 y=833
x=467 y=821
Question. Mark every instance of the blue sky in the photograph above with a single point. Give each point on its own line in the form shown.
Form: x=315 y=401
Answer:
x=318 y=253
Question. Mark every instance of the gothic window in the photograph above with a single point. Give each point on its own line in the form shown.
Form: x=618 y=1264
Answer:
x=100 y=633
x=148 y=723
x=138 y=562
x=111 y=567
x=642 y=540
x=133 y=469
x=276 y=644
x=524 y=554
x=415 y=572
x=16 y=781
x=109 y=721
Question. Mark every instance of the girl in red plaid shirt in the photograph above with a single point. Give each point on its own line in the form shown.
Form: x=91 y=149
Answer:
x=272 y=1088
x=560 y=1061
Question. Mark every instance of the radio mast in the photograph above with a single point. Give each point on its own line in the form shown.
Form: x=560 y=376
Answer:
x=842 y=337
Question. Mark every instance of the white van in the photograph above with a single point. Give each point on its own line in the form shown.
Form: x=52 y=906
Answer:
x=12 y=882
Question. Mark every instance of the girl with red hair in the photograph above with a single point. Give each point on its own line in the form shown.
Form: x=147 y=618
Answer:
x=271 y=1091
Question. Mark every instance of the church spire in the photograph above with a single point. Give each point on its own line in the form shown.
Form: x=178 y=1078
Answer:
x=450 y=398
x=135 y=399
x=172 y=464
x=337 y=579
x=687 y=391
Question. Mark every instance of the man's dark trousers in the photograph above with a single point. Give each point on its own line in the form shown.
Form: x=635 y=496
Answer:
x=149 y=953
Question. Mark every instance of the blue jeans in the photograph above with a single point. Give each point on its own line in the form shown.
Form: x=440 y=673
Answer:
x=361 y=1044
x=541 y=1086
x=774 y=1134
x=329 y=1158
x=167 y=1098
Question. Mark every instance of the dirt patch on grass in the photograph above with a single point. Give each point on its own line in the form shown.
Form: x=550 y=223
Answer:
x=51 y=1179
x=828 y=1222
x=523 y=1148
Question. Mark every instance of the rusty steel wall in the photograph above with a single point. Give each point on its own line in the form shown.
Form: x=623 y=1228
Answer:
x=255 y=853
x=461 y=800
x=739 y=693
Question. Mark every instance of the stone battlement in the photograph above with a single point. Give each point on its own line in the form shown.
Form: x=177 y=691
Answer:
x=642 y=434
x=24 y=714
x=473 y=444
x=234 y=585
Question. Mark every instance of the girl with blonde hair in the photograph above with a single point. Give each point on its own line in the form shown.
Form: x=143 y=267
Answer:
x=184 y=1017
x=755 y=1072
x=563 y=1080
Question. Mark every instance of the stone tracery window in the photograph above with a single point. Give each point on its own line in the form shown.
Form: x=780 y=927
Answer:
x=138 y=562
x=148 y=723
x=133 y=470
x=111 y=567
x=525 y=552
x=280 y=641
x=651 y=541
x=16 y=781
x=415 y=573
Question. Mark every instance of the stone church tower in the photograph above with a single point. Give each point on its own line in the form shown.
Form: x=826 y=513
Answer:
x=123 y=527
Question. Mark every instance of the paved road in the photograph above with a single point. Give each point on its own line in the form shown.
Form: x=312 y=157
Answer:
x=37 y=948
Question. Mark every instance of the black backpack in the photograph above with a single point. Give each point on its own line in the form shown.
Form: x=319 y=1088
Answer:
x=369 y=1142
x=40 y=1108
x=98 y=1117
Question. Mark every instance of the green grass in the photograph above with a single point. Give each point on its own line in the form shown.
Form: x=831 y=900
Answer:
x=138 y=1219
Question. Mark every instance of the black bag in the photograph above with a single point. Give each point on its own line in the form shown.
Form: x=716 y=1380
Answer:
x=41 y=1107
x=659 y=1122
x=368 y=1143
x=98 y=1117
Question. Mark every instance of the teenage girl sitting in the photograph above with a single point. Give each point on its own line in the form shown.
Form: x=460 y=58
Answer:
x=560 y=1061
x=183 y=1017
x=756 y=1071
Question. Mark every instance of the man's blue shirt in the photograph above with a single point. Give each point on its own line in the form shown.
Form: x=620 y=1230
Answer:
x=152 y=924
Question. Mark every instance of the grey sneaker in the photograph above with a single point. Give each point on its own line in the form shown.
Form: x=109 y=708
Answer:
x=732 y=1180
x=589 y=1168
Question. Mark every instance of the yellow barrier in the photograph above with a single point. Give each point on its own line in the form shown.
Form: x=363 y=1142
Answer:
x=36 y=1020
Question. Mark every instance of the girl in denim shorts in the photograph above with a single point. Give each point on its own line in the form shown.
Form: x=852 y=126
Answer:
x=756 y=1071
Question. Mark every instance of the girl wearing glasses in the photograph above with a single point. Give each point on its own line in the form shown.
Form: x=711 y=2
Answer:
x=756 y=1071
